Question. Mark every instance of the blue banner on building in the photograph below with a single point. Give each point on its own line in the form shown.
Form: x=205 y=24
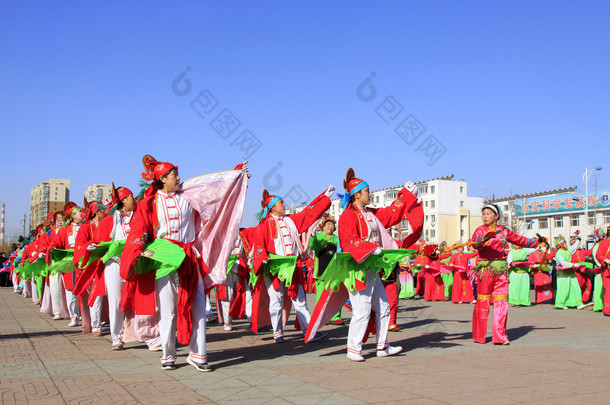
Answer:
x=567 y=202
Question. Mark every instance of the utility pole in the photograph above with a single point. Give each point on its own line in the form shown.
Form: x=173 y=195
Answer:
x=585 y=179
x=2 y=227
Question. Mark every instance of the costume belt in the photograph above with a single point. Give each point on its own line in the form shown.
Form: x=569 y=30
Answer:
x=491 y=268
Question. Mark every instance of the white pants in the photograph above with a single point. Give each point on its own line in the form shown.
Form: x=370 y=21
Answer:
x=55 y=285
x=15 y=284
x=72 y=300
x=114 y=290
x=276 y=303
x=95 y=312
x=167 y=301
x=27 y=288
x=248 y=300
x=226 y=305
x=373 y=296
x=232 y=280
x=35 y=297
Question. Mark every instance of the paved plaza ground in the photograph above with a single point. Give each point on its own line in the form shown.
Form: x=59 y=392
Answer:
x=555 y=357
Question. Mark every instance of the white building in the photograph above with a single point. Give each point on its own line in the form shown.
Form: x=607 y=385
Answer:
x=46 y=197
x=98 y=192
x=450 y=214
x=556 y=212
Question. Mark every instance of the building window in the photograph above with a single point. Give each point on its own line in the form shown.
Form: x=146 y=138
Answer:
x=607 y=217
x=591 y=218
x=432 y=189
x=558 y=222
x=425 y=203
x=433 y=218
x=432 y=233
x=431 y=203
x=461 y=203
x=574 y=220
x=529 y=225
x=461 y=189
x=544 y=223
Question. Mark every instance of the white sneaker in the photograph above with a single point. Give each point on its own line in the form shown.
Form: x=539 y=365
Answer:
x=203 y=367
x=389 y=351
x=73 y=322
x=354 y=357
x=228 y=327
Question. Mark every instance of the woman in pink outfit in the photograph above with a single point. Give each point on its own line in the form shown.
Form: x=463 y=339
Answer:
x=491 y=240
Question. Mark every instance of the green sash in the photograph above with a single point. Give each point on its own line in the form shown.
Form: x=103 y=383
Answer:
x=343 y=269
x=281 y=267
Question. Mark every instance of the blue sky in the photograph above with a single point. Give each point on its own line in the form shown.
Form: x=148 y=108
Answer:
x=516 y=94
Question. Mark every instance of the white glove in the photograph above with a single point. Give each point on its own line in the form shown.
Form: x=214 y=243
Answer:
x=330 y=191
x=41 y=255
x=413 y=189
x=607 y=261
x=377 y=251
x=91 y=247
x=244 y=168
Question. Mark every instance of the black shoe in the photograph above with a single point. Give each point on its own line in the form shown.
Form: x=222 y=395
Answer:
x=168 y=365
x=279 y=339
x=203 y=367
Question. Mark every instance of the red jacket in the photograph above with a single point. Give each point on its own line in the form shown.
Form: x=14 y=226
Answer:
x=353 y=229
x=266 y=231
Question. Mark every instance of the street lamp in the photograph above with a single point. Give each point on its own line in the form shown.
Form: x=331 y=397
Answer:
x=585 y=179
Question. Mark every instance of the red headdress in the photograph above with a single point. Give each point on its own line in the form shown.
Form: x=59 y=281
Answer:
x=119 y=193
x=267 y=202
x=50 y=218
x=326 y=217
x=69 y=209
x=352 y=185
x=430 y=250
x=91 y=208
x=154 y=170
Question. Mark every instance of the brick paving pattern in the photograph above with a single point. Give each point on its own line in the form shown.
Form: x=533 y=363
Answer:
x=555 y=357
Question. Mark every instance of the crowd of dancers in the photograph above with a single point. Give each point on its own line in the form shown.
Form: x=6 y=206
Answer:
x=146 y=263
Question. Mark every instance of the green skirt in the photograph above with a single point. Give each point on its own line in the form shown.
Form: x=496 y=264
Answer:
x=519 y=288
x=568 y=290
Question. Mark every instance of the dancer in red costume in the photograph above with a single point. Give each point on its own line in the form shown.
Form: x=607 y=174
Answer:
x=462 y=284
x=66 y=239
x=362 y=233
x=279 y=234
x=603 y=256
x=89 y=283
x=491 y=241
x=181 y=214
